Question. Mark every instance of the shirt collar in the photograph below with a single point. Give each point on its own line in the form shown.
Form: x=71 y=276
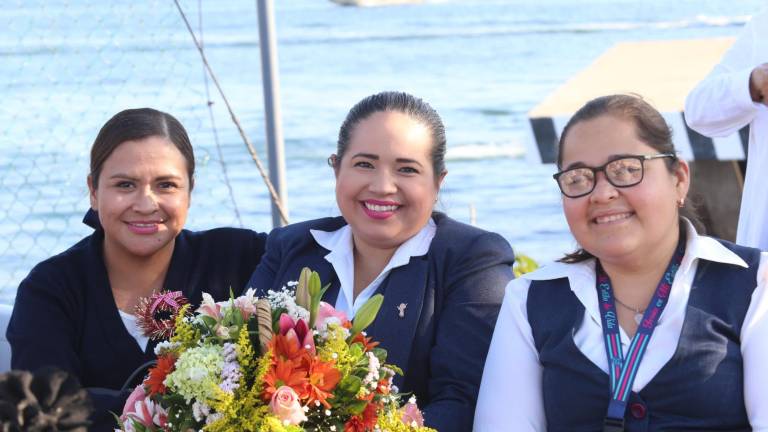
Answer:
x=581 y=276
x=341 y=257
x=706 y=248
x=697 y=247
x=339 y=242
x=334 y=241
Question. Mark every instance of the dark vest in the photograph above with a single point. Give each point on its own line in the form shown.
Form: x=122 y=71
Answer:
x=700 y=388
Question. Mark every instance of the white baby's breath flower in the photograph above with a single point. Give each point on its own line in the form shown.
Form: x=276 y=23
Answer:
x=165 y=346
x=372 y=377
x=284 y=298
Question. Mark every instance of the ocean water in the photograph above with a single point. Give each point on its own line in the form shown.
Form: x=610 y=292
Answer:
x=67 y=66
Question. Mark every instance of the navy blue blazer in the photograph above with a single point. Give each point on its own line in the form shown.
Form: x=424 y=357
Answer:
x=65 y=315
x=453 y=295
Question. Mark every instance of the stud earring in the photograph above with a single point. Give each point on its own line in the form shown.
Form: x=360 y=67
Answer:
x=681 y=202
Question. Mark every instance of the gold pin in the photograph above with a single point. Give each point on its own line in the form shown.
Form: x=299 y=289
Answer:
x=401 y=310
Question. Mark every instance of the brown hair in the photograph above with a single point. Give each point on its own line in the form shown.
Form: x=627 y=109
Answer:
x=401 y=102
x=137 y=124
x=651 y=128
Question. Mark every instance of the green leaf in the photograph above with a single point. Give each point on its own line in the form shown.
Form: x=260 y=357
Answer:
x=380 y=354
x=357 y=407
x=253 y=333
x=276 y=312
x=350 y=385
x=209 y=322
x=366 y=314
x=396 y=369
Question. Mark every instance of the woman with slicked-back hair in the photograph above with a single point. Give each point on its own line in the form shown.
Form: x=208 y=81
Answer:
x=76 y=310
x=442 y=280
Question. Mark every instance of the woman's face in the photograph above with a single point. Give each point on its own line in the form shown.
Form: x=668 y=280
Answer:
x=142 y=197
x=619 y=224
x=385 y=183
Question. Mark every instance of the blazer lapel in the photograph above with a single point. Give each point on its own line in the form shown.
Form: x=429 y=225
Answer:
x=395 y=325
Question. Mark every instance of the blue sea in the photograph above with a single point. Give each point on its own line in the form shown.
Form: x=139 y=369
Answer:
x=67 y=66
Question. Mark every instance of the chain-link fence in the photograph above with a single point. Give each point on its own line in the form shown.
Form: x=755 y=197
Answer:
x=68 y=66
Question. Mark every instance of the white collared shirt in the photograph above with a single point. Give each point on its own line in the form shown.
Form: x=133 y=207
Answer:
x=342 y=258
x=510 y=396
x=131 y=324
x=720 y=105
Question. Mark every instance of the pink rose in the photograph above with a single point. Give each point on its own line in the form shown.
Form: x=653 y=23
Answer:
x=326 y=313
x=285 y=405
x=411 y=413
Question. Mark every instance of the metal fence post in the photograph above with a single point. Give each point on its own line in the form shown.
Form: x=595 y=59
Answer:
x=271 y=83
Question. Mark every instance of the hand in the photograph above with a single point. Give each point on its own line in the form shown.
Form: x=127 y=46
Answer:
x=758 y=84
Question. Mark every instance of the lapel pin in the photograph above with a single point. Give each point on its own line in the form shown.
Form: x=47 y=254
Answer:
x=401 y=310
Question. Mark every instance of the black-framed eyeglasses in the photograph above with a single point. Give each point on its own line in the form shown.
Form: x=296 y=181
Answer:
x=621 y=172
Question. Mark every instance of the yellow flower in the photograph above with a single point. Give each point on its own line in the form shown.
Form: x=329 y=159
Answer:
x=390 y=421
x=336 y=348
x=185 y=334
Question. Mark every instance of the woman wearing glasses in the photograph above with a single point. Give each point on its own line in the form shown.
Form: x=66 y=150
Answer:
x=649 y=326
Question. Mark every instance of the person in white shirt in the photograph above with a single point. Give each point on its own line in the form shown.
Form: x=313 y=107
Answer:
x=442 y=280
x=732 y=96
x=689 y=311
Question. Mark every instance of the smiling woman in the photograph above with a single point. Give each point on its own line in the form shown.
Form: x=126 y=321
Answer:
x=76 y=310
x=650 y=325
x=442 y=280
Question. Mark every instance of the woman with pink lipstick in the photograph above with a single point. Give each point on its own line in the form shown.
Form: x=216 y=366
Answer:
x=649 y=326
x=75 y=311
x=442 y=281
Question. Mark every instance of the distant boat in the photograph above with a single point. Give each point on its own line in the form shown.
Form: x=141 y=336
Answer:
x=366 y=3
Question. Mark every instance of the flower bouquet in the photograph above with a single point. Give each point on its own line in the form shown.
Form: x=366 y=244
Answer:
x=286 y=362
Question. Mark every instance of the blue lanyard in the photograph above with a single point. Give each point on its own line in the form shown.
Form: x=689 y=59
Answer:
x=623 y=369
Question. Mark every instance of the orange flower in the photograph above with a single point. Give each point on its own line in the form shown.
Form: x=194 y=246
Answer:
x=323 y=378
x=365 y=341
x=364 y=422
x=287 y=347
x=165 y=365
x=285 y=373
x=383 y=387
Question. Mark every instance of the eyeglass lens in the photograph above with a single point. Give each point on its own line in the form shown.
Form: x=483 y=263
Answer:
x=620 y=172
